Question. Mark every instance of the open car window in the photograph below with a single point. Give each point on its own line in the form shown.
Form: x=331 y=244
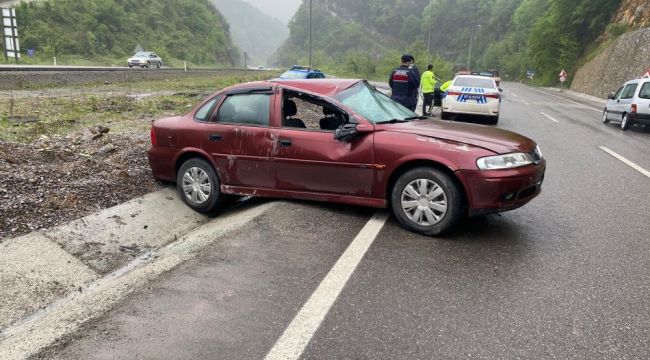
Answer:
x=248 y=109
x=307 y=112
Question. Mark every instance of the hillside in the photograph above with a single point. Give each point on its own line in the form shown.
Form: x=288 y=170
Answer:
x=513 y=36
x=254 y=32
x=109 y=30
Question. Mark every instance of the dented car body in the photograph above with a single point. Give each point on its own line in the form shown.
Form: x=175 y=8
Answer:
x=257 y=139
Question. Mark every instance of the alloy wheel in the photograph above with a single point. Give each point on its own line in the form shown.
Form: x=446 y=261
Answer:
x=424 y=202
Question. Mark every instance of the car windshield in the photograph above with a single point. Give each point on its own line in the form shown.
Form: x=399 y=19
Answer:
x=141 y=55
x=373 y=105
x=292 y=74
x=487 y=73
x=474 y=82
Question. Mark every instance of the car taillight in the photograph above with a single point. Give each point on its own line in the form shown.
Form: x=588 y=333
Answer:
x=153 y=137
x=633 y=108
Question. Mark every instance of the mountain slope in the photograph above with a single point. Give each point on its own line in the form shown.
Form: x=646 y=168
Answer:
x=256 y=33
x=191 y=30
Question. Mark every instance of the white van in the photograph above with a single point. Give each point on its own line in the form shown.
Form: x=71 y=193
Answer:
x=630 y=104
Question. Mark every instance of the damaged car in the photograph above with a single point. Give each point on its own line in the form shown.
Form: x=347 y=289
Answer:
x=342 y=141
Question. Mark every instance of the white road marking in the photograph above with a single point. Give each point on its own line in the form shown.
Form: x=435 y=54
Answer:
x=550 y=117
x=515 y=95
x=626 y=161
x=571 y=101
x=525 y=102
x=297 y=335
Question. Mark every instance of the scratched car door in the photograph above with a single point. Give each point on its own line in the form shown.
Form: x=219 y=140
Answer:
x=239 y=140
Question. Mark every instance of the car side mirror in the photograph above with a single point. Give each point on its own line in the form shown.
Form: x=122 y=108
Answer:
x=500 y=90
x=346 y=132
x=610 y=96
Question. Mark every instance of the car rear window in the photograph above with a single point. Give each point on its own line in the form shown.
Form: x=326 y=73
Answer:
x=629 y=90
x=291 y=74
x=474 y=82
x=251 y=109
x=645 y=91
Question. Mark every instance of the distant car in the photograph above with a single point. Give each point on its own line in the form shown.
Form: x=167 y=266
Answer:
x=145 y=60
x=493 y=74
x=302 y=72
x=630 y=104
x=472 y=95
x=342 y=141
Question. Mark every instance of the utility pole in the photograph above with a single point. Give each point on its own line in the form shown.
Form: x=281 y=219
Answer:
x=469 y=57
x=310 y=34
x=245 y=62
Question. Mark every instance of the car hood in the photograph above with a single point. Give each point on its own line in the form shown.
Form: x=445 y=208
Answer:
x=494 y=139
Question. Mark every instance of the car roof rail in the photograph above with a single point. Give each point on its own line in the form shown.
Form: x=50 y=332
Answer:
x=251 y=90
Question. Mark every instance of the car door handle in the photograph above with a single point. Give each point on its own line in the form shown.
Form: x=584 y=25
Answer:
x=285 y=142
x=215 y=137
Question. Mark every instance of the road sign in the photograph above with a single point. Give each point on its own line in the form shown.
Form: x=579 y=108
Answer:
x=530 y=74
x=563 y=73
x=562 y=78
x=646 y=75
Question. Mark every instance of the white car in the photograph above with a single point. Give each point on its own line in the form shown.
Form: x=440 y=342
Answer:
x=630 y=104
x=472 y=95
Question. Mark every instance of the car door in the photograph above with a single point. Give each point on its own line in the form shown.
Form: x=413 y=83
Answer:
x=239 y=140
x=309 y=159
x=643 y=103
x=624 y=103
x=612 y=104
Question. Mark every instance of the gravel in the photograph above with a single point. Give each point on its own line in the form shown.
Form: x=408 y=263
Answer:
x=62 y=178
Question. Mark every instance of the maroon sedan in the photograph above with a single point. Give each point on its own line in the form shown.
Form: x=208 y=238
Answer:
x=342 y=141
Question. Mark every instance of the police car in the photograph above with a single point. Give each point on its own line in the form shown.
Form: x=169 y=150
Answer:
x=302 y=72
x=472 y=95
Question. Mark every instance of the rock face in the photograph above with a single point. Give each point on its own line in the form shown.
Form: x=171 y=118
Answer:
x=635 y=13
x=628 y=57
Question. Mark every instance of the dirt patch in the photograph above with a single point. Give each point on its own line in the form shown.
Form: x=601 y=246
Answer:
x=57 y=178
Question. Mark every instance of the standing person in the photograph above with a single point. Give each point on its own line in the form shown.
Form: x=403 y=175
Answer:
x=428 y=83
x=404 y=82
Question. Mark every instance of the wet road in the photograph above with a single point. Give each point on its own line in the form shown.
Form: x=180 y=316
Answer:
x=567 y=276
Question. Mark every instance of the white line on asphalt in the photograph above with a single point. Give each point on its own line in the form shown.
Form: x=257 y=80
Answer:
x=550 y=117
x=525 y=102
x=626 y=161
x=515 y=95
x=297 y=335
x=571 y=101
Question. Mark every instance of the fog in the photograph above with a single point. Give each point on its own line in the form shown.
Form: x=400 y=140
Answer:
x=282 y=10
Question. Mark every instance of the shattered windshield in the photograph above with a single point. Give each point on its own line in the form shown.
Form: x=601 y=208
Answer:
x=373 y=104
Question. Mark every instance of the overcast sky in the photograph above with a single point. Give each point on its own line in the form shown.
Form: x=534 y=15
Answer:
x=282 y=10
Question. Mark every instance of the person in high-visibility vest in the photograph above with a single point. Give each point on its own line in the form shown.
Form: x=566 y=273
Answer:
x=446 y=86
x=428 y=82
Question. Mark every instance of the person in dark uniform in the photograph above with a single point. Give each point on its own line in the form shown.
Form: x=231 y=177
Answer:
x=404 y=82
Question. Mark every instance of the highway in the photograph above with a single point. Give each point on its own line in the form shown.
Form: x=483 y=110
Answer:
x=566 y=276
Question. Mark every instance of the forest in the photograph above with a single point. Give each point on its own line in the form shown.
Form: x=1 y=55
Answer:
x=106 y=32
x=366 y=38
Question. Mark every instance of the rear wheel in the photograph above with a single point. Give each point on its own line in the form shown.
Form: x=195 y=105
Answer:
x=148 y=64
x=626 y=122
x=158 y=65
x=199 y=186
x=493 y=120
x=605 y=118
x=427 y=201
x=444 y=115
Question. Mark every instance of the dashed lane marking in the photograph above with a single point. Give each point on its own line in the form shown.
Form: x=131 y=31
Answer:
x=515 y=95
x=626 y=161
x=525 y=102
x=550 y=117
x=297 y=335
x=571 y=101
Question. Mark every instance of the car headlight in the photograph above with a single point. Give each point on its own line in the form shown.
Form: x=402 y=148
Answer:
x=507 y=161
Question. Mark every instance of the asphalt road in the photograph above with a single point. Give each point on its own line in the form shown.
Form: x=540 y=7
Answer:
x=567 y=276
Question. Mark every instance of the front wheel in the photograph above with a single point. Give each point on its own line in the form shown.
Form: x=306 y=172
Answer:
x=444 y=115
x=198 y=185
x=493 y=120
x=158 y=65
x=427 y=201
x=148 y=64
x=605 y=118
x=626 y=122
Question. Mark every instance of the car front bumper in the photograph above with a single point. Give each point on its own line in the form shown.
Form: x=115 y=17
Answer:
x=494 y=191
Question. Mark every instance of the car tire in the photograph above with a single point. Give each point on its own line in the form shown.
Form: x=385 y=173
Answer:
x=158 y=65
x=424 y=184
x=444 y=115
x=493 y=120
x=130 y=65
x=626 y=122
x=148 y=65
x=199 y=186
x=605 y=118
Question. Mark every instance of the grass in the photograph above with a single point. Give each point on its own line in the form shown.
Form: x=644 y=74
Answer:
x=123 y=107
